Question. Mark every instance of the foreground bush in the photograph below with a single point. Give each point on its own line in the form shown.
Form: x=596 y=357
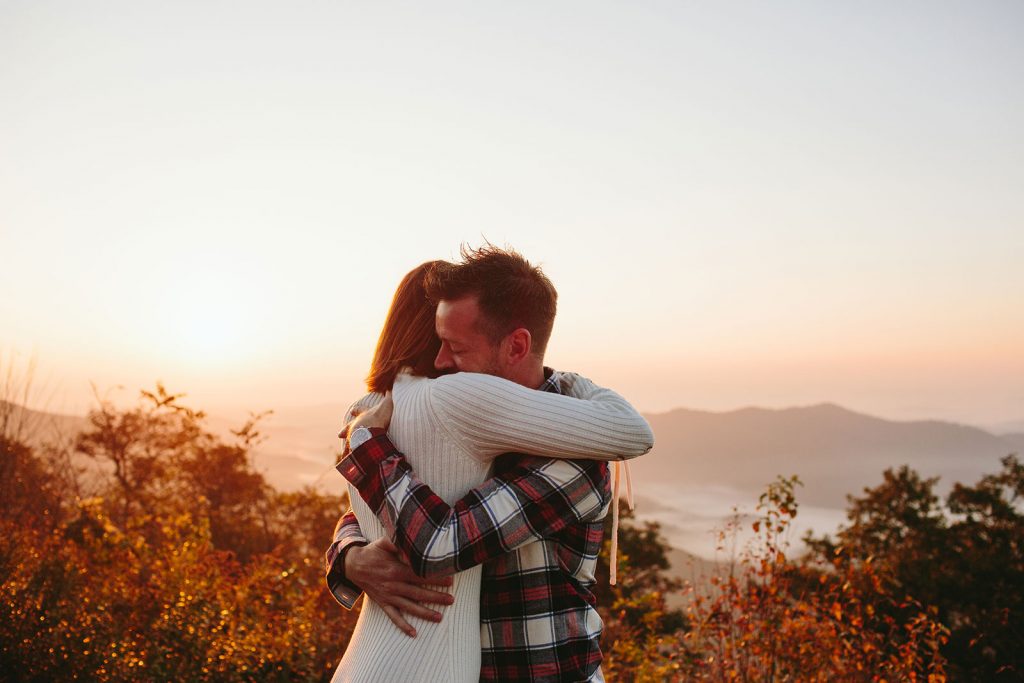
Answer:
x=775 y=619
x=182 y=564
x=767 y=617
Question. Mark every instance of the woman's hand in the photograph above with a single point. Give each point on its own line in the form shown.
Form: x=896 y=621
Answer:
x=379 y=416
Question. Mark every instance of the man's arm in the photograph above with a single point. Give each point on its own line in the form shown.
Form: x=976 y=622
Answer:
x=390 y=581
x=346 y=535
x=535 y=499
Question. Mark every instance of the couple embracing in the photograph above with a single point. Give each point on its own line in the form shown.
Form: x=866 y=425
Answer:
x=479 y=484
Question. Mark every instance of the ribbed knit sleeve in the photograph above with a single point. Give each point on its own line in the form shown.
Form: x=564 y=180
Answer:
x=365 y=403
x=488 y=416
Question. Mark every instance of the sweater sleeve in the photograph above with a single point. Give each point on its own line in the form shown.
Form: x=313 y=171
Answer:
x=489 y=416
x=362 y=405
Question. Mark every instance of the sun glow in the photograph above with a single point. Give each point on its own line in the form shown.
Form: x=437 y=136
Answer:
x=208 y=316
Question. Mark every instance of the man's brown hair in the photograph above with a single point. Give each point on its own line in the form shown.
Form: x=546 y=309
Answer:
x=510 y=291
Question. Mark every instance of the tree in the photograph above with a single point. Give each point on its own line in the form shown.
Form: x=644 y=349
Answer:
x=189 y=567
x=142 y=446
x=762 y=620
x=964 y=558
x=637 y=620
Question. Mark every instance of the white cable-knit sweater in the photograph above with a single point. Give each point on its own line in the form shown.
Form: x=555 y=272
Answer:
x=450 y=430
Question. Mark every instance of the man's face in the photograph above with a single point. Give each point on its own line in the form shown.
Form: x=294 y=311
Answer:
x=464 y=346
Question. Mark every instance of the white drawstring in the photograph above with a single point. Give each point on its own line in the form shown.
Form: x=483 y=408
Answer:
x=629 y=486
x=617 y=472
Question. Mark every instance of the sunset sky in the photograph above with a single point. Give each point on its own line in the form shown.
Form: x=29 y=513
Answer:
x=740 y=203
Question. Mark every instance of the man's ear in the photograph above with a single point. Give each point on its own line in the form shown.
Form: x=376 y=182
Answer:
x=518 y=345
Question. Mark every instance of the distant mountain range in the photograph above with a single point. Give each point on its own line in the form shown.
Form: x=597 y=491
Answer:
x=300 y=448
x=835 y=451
x=37 y=427
x=700 y=459
x=1015 y=439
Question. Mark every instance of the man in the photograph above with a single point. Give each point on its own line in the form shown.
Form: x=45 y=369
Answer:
x=494 y=316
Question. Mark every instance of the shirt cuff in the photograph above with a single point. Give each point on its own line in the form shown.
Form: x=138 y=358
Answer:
x=343 y=590
x=360 y=436
x=363 y=460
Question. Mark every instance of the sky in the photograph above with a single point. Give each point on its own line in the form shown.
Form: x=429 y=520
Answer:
x=740 y=203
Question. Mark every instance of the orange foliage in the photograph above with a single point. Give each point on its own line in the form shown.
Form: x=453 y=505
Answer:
x=181 y=563
x=770 y=618
x=138 y=584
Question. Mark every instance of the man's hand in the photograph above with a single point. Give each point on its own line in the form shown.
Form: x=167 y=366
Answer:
x=380 y=571
x=378 y=416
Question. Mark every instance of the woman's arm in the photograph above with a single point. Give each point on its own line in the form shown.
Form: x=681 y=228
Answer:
x=367 y=402
x=489 y=416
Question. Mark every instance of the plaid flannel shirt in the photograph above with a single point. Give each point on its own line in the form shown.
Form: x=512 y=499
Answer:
x=536 y=526
x=346 y=534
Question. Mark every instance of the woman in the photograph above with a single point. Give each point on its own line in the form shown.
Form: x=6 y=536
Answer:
x=451 y=429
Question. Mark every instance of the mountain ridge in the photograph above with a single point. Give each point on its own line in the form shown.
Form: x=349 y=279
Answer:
x=834 y=449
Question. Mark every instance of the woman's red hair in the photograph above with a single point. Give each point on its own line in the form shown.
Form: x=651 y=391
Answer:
x=408 y=338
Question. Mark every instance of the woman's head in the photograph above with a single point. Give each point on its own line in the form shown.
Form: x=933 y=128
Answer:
x=408 y=338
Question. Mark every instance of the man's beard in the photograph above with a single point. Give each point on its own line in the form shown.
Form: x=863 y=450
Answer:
x=490 y=366
x=494 y=366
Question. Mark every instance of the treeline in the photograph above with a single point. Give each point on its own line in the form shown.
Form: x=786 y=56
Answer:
x=178 y=562
x=173 y=559
x=910 y=588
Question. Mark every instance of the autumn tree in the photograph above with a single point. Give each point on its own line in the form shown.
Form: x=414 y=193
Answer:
x=637 y=618
x=965 y=558
x=762 y=620
x=187 y=567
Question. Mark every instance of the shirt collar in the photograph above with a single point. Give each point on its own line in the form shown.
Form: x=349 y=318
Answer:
x=550 y=382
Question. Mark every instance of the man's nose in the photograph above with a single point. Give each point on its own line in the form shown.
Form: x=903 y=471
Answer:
x=443 y=361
